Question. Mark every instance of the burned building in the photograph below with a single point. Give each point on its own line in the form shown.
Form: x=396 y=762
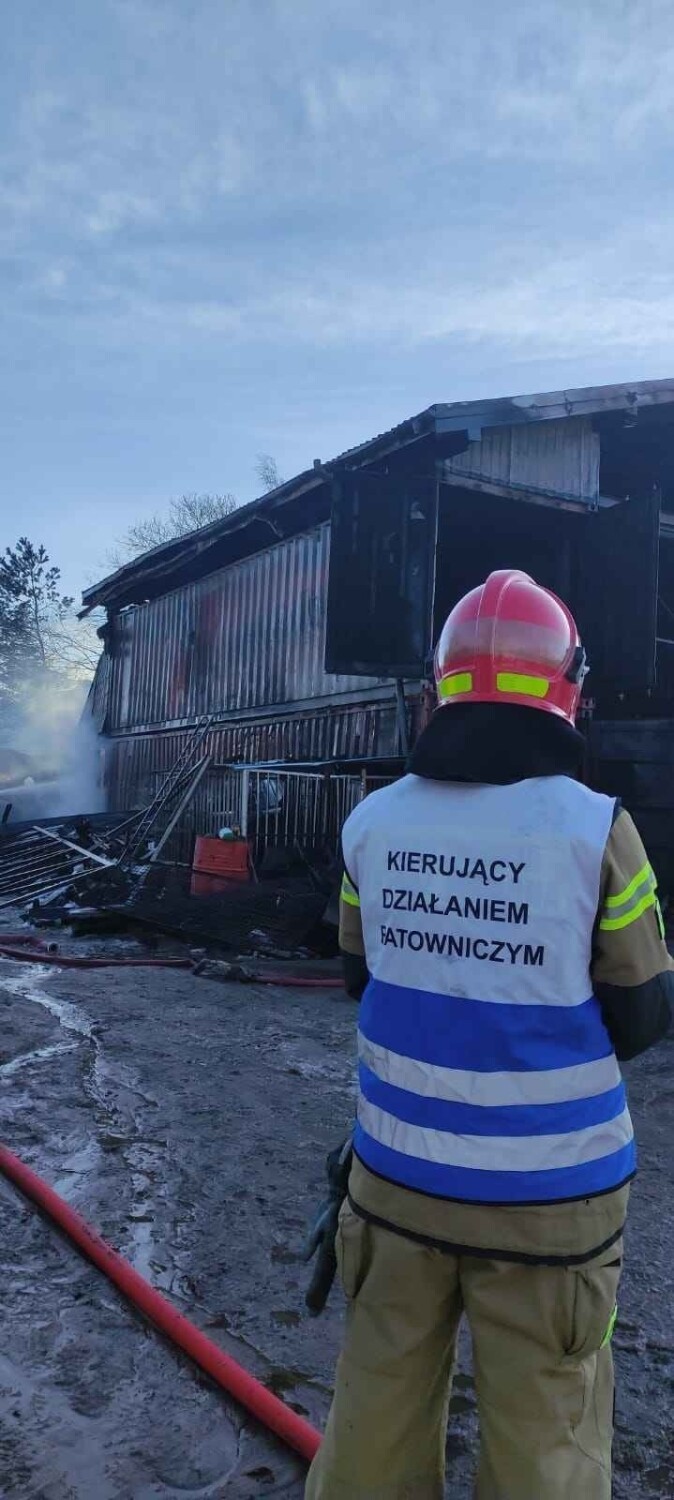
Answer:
x=302 y=625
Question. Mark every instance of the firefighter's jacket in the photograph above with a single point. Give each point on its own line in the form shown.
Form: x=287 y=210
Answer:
x=499 y=925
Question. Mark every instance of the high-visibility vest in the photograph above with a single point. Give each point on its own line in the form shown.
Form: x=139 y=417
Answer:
x=486 y=1072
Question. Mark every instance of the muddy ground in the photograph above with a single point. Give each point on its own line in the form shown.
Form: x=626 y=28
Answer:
x=189 y=1122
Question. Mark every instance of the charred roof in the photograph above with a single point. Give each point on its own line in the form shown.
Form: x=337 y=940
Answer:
x=305 y=500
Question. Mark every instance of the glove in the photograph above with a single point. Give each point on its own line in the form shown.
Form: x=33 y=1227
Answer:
x=321 y=1241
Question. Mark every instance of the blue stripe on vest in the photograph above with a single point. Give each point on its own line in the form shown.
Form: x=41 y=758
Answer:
x=482 y=1036
x=469 y=1185
x=501 y=1120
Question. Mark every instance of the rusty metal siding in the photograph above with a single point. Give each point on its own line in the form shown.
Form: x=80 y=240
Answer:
x=555 y=457
x=137 y=764
x=311 y=810
x=250 y=636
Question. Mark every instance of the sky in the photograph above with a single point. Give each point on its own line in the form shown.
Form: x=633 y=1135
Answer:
x=230 y=227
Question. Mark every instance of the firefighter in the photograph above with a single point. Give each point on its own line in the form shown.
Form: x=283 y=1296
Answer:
x=503 y=922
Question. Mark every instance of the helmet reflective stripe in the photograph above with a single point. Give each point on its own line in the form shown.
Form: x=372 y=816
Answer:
x=516 y=682
x=458 y=682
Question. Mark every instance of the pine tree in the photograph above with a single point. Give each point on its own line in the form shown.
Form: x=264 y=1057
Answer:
x=31 y=608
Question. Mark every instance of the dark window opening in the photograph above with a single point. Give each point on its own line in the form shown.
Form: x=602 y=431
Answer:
x=404 y=549
x=381 y=573
x=599 y=562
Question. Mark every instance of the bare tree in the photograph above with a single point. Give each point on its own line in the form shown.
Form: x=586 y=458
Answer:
x=186 y=513
x=74 y=646
x=267 y=472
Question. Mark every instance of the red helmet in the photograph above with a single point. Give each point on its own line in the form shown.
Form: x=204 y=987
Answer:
x=511 y=641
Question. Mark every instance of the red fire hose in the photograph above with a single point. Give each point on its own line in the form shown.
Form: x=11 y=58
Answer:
x=224 y=1370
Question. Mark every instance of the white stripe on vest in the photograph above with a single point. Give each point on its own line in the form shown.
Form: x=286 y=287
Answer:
x=542 y=1087
x=486 y=1072
x=506 y=1153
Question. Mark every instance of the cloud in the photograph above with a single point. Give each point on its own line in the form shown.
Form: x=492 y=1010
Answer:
x=114 y=210
x=520 y=300
x=565 y=307
x=164 y=114
x=197 y=186
x=54 y=279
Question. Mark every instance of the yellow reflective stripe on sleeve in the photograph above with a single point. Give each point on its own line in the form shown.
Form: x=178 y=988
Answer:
x=630 y=904
x=611 y=1328
x=516 y=682
x=460 y=682
x=613 y=924
x=349 y=893
x=645 y=873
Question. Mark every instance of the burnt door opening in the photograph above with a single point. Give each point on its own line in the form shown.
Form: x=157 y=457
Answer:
x=380 y=586
x=480 y=533
x=665 y=630
x=615 y=599
x=603 y=563
x=404 y=550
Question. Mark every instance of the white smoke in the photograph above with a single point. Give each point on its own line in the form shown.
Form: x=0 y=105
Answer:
x=52 y=742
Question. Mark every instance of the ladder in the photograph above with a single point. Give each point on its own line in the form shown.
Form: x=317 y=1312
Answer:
x=172 y=784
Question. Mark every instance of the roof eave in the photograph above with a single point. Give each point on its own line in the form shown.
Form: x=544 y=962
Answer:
x=164 y=558
x=470 y=416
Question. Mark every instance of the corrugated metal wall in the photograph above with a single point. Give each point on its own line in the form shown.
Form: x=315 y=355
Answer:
x=558 y=457
x=137 y=764
x=250 y=636
x=98 y=701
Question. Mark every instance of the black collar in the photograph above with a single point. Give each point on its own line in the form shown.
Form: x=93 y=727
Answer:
x=496 y=743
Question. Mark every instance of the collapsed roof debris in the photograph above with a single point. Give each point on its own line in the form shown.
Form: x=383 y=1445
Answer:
x=38 y=861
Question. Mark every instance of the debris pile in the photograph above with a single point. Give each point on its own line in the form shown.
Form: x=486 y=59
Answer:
x=36 y=862
x=64 y=856
x=100 y=874
x=268 y=917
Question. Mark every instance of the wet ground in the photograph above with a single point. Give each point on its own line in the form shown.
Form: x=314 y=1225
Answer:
x=189 y=1121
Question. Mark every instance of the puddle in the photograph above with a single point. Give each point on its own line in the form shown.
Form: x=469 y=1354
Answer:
x=39 y=1054
x=28 y=987
x=104 y=1084
x=146 y=1164
x=79 y=1029
x=81 y=1163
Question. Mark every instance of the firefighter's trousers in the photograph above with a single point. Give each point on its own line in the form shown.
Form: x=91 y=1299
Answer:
x=542 y=1363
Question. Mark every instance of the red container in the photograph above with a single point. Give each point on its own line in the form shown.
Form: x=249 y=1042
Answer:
x=207 y=885
x=217 y=863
